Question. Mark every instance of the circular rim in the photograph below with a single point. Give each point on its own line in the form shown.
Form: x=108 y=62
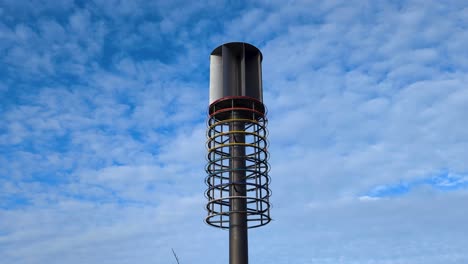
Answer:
x=218 y=50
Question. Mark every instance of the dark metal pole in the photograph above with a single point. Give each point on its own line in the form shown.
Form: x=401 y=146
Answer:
x=238 y=242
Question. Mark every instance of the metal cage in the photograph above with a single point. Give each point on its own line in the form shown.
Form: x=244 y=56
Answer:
x=237 y=162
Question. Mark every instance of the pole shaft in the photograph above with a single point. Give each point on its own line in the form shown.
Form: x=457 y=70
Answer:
x=238 y=242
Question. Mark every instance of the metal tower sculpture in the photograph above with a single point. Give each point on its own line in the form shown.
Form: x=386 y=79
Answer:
x=238 y=182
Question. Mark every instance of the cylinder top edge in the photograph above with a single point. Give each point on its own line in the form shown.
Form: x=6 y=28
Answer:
x=218 y=50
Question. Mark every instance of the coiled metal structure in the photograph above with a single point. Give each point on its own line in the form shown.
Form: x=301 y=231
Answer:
x=238 y=181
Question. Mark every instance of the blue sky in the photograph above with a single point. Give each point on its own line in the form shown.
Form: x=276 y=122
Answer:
x=102 y=130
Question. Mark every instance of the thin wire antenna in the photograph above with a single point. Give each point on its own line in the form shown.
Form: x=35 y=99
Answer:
x=175 y=256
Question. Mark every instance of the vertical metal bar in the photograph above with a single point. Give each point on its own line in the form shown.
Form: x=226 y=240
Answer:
x=238 y=242
x=221 y=181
